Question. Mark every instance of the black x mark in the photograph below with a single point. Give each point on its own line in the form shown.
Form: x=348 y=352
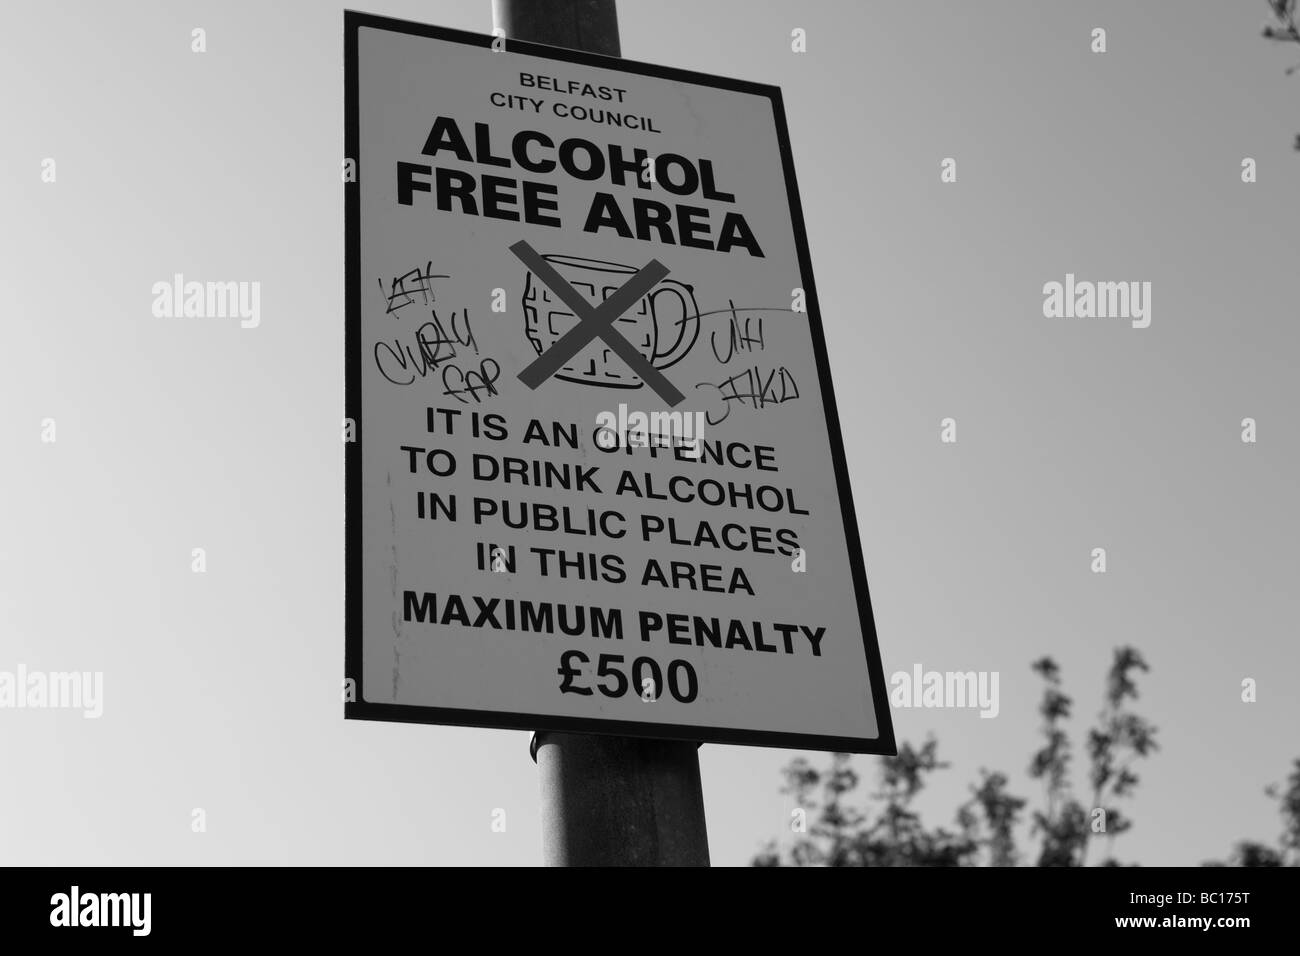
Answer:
x=595 y=322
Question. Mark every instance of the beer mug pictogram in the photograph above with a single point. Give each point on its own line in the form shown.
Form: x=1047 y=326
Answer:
x=663 y=325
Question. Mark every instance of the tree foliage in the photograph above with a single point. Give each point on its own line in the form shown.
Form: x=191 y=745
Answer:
x=835 y=825
x=1120 y=738
x=1284 y=30
x=1287 y=851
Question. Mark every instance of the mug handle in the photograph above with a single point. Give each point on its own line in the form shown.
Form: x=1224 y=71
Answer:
x=688 y=320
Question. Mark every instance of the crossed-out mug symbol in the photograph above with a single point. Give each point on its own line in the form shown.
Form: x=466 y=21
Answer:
x=595 y=321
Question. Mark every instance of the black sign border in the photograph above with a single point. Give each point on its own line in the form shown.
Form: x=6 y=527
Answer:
x=360 y=709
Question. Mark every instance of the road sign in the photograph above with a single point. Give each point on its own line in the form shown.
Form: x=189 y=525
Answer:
x=597 y=481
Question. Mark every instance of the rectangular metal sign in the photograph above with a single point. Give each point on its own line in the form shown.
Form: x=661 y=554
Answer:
x=595 y=475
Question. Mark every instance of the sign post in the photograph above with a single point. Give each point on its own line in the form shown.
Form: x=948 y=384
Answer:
x=607 y=800
x=597 y=488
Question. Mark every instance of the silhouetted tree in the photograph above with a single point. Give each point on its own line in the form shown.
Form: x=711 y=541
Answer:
x=830 y=830
x=839 y=834
x=1284 y=31
x=1120 y=738
x=1062 y=822
x=989 y=819
x=1287 y=852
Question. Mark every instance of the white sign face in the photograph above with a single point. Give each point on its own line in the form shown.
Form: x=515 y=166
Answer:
x=596 y=482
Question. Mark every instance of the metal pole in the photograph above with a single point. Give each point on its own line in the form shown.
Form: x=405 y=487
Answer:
x=607 y=801
x=620 y=801
x=590 y=25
